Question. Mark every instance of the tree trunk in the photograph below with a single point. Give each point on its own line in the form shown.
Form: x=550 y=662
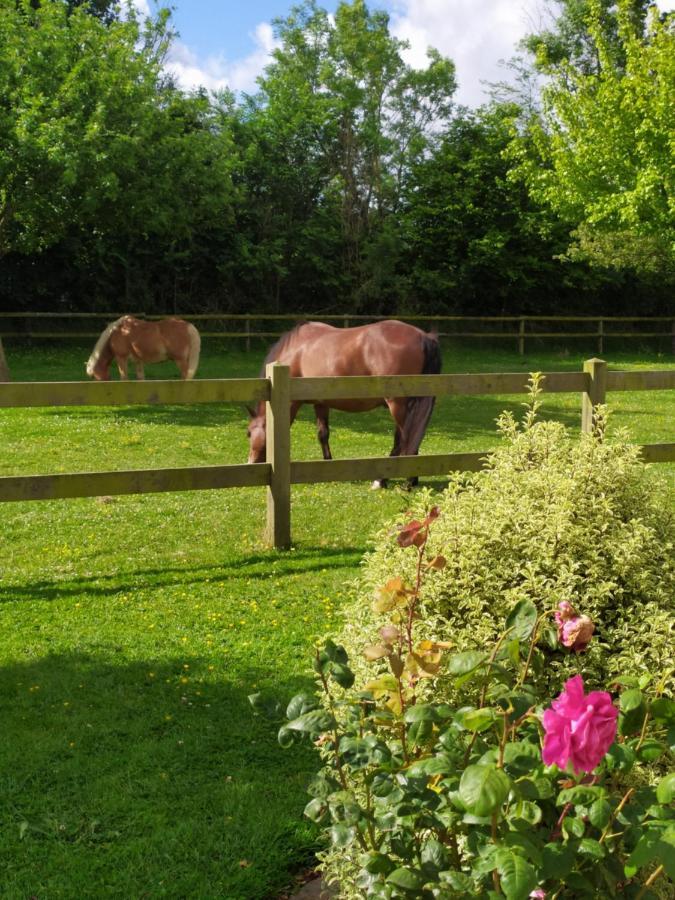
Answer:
x=4 y=368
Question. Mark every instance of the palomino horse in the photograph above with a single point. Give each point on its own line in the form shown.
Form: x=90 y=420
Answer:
x=145 y=342
x=383 y=348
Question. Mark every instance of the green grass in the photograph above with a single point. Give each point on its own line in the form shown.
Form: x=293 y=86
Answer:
x=134 y=629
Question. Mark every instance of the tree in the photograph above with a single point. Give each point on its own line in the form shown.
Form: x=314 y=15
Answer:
x=604 y=154
x=342 y=118
x=76 y=95
x=475 y=241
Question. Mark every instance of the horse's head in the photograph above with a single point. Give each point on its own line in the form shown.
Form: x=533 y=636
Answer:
x=257 y=435
x=98 y=369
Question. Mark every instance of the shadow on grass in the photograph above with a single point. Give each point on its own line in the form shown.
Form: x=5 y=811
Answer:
x=256 y=566
x=127 y=778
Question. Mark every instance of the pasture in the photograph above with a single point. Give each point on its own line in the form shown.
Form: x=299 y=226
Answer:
x=135 y=627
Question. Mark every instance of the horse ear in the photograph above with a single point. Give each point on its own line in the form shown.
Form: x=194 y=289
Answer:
x=251 y=412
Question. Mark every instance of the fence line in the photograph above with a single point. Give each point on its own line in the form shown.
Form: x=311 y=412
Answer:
x=520 y=335
x=278 y=473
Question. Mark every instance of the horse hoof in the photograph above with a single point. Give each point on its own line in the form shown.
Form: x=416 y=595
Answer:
x=377 y=485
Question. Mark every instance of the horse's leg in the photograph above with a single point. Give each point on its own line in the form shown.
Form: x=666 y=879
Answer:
x=322 y=429
x=122 y=363
x=397 y=408
x=140 y=372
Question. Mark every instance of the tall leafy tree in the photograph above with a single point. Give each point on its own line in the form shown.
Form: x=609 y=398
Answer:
x=605 y=143
x=346 y=118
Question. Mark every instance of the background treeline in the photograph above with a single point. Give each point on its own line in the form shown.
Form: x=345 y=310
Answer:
x=350 y=182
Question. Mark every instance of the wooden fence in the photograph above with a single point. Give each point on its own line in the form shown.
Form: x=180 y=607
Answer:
x=278 y=389
x=518 y=328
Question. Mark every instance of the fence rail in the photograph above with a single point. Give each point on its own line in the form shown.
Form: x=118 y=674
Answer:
x=278 y=389
x=523 y=332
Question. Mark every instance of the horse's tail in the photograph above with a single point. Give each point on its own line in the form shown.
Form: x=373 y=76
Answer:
x=420 y=408
x=195 y=347
x=100 y=345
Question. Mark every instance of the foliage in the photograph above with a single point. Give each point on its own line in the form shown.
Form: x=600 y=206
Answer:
x=605 y=146
x=337 y=123
x=349 y=180
x=472 y=233
x=550 y=519
x=424 y=798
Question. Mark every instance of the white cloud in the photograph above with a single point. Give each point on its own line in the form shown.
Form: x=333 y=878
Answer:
x=216 y=72
x=475 y=34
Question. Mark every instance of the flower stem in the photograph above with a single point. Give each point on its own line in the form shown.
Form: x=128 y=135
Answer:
x=626 y=797
x=652 y=878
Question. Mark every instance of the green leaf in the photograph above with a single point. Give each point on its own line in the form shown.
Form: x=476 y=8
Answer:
x=663 y=710
x=521 y=757
x=646 y=849
x=527 y=811
x=534 y=788
x=313 y=722
x=522 y=619
x=620 y=757
x=465 y=663
x=574 y=826
x=633 y=708
x=342 y=835
x=518 y=877
x=599 y=813
x=651 y=750
x=435 y=853
x=266 y=704
x=407 y=879
x=317 y=810
x=335 y=652
x=557 y=860
x=665 y=790
x=631 y=699
x=378 y=863
x=458 y=881
x=421 y=712
x=580 y=795
x=483 y=789
x=477 y=719
x=591 y=847
x=342 y=674
x=301 y=704
x=285 y=737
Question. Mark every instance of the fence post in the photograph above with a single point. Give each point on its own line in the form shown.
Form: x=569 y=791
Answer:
x=597 y=391
x=601 y=332
x=247 y=329
x=4 y=368
x=521 y=337
x=278 y=417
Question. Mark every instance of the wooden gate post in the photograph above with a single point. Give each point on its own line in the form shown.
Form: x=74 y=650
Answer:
x=278 y=416
x=4 y=368
x=597 y=391
x=521 y=337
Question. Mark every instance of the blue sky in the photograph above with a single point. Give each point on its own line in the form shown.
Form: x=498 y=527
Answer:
x=226 y=26
x=228 y=42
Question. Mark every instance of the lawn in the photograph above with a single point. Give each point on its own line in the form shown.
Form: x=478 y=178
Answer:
x=134 y=628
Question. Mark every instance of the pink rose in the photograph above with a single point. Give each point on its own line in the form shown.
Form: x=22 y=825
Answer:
x=579 y=728
x=574 y=631
x=539 y=893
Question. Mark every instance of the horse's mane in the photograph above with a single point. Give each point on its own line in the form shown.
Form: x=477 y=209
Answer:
x=277 y=349
x=100 y=344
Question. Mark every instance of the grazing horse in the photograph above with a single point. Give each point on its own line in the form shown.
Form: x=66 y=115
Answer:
x=383 y=348
x=145 y=342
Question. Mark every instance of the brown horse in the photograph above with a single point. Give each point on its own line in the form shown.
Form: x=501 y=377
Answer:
x=383 y=348
x=145 y=342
